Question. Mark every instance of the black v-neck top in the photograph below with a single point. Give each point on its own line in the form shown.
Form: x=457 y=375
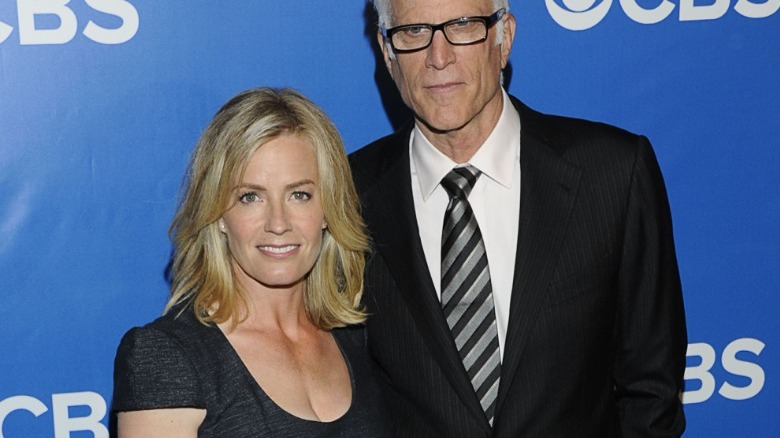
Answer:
x=177 y=362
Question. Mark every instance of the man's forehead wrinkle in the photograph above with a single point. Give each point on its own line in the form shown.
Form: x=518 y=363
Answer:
x=412 y=12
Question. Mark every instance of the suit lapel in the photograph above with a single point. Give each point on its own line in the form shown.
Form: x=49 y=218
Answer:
x=548 y=192
x=396 y=238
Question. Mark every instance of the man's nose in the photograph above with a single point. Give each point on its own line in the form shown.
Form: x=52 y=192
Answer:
x=440 y=53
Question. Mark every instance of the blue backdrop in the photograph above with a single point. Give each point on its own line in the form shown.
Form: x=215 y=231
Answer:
x=101 y=102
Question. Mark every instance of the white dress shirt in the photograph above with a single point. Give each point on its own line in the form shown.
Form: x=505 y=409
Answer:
x=495 y=200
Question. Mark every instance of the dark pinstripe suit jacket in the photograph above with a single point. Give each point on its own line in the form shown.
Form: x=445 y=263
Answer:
x=596 y=339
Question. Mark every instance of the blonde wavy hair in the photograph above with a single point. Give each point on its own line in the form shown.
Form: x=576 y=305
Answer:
x=202 y=274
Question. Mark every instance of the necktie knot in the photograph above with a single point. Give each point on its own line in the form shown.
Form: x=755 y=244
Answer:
x=459 y=182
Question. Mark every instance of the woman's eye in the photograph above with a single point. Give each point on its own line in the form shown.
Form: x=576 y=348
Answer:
x=301 y=196
x=248 y=197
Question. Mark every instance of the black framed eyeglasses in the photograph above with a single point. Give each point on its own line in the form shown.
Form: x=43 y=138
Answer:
x=458 y=32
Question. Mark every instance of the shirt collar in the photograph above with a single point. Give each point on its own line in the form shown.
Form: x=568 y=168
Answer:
x=496 y=157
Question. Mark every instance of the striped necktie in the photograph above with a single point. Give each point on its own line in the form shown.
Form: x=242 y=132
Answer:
x=466 y=291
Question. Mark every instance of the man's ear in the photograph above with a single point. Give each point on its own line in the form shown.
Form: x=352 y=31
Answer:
x=385 y=51
x=510 y=26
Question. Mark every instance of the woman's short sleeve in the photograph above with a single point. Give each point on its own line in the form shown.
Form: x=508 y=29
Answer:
x=152 y=371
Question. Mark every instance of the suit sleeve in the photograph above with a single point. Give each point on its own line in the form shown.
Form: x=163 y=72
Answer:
x=651 y=331
x=152 y=371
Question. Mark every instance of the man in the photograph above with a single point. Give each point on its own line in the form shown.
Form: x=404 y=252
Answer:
x=524 y=281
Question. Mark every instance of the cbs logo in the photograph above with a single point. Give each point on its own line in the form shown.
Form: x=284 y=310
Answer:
x=29 y=34
x=584 y=14
x=743 y=377
x=65 y=407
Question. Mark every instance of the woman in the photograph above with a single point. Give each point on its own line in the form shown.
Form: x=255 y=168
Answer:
x=258 y=337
